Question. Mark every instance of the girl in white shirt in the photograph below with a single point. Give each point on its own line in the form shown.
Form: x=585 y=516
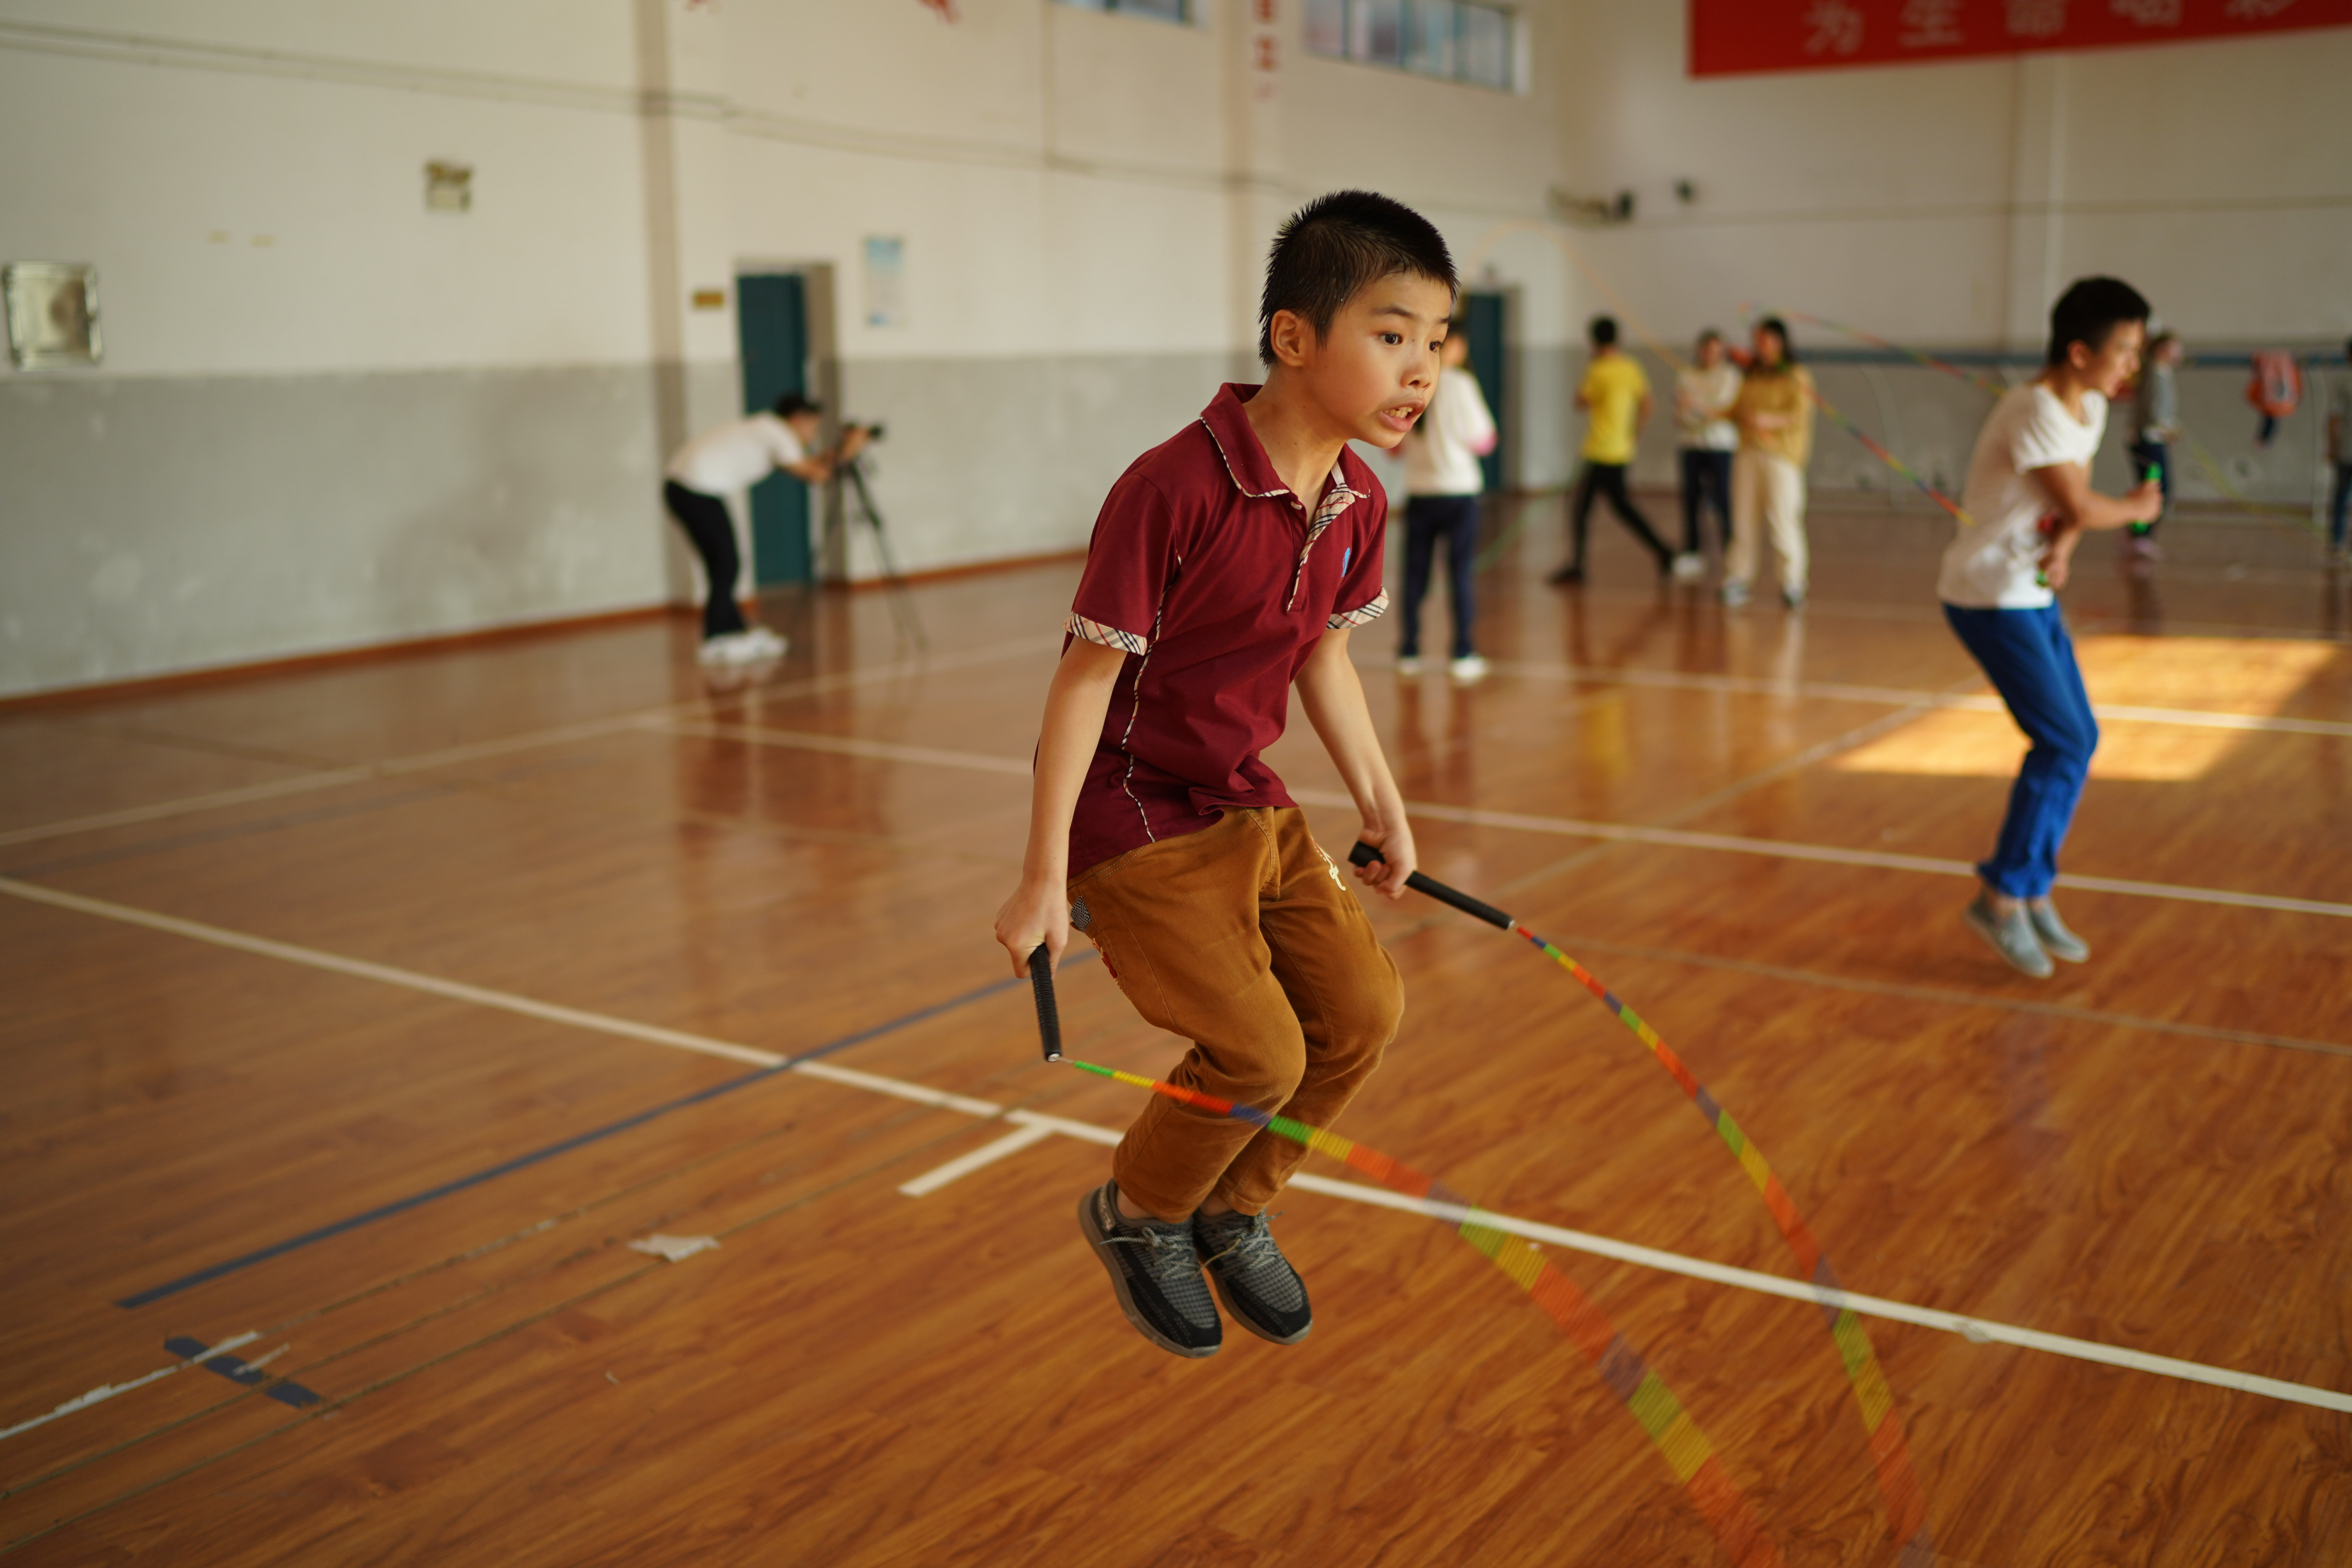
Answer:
x=1441 y=481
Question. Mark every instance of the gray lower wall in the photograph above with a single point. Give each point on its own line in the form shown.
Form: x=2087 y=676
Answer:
x=173 y=523
x=148 y=526
x=989 y=458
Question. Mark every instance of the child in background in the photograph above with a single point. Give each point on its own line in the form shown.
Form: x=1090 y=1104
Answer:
x=1441 y=481
x=1227 y=567
x=1615 y=397
x=1703 y=394
x=2029 y=501
x=1774 y=412
x=2156 y=420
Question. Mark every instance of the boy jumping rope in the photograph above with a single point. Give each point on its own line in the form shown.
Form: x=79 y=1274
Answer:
x=2029 y=501
x=1227 y=567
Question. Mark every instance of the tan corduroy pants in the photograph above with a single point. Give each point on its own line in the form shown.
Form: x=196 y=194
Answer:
x=1767 y=491
x=1245 y=939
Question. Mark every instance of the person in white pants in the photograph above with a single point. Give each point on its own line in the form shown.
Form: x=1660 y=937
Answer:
x=1774 y=412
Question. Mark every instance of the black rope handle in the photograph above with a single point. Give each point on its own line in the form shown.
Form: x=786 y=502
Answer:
x=1364 y=854
x=1049 y=1018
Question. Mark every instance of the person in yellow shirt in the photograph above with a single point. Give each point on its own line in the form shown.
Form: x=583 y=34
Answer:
x=1615 y=398
x=1774 y=412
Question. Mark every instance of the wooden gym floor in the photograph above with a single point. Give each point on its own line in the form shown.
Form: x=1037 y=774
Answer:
x=360 y=1017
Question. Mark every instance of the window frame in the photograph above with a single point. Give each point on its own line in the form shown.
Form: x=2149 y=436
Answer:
x=1355 y=35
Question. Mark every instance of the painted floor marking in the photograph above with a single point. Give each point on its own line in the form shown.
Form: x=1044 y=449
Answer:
x=105 y=1391
x=591 y=729
x=1981 y=1329
x=1627 y=833
x=938 y=1176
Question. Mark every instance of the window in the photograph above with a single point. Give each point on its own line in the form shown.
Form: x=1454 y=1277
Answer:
x=1460 y=40
x=1166 y=10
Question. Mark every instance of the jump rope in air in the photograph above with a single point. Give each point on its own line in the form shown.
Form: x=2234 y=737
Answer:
x=1686 y=1448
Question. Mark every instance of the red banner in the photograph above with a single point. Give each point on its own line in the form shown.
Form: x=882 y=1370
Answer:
x=1731 y=36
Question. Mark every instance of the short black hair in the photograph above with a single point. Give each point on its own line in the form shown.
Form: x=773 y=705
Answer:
x=2090 y=310
x=1603 y=330
x=792 y=402
x=1335 y=247
x=1779 y=329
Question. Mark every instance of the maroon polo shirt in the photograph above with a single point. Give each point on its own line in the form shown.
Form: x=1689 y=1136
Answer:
x=1217 y=582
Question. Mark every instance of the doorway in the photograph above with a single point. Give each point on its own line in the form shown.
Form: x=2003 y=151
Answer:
x=772 y=327
x=1484 y=319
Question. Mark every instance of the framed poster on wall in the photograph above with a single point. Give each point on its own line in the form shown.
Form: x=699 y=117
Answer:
x=52 y=313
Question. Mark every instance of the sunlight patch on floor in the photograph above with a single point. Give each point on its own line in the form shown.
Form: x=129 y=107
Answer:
x=2252 y=675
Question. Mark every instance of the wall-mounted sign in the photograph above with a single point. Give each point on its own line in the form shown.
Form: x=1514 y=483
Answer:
x=449 y=187
x=1731 y=37
x=885 y=280
x=52 y=313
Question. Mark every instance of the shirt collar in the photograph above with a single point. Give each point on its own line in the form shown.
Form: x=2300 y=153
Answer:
x=1252 y=470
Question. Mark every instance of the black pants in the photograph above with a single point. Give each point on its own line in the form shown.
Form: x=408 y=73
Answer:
x=1427 y=518
x=1609 y=479
x=1706 y=478
x=713 y=534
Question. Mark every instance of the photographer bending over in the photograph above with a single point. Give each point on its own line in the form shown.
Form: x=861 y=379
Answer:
x=735 y=457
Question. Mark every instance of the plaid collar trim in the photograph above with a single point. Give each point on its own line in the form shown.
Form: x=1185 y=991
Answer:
x=1229 y=432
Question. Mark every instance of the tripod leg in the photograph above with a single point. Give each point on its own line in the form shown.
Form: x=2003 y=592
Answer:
x=902 y=601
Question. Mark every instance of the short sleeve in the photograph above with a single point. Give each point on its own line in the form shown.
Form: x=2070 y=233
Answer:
x=1362 y=598
x=1130 y=560
x=2048 y=435
x=782 y=442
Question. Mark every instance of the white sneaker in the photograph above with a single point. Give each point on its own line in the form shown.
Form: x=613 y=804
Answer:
x=1733 y=593
x=738 y=648
x=764 y=643
x=1410 y=664
x=1467 y=669
x=1689 y=566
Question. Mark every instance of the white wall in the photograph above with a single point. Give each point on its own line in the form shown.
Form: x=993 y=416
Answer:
x=1944 y=203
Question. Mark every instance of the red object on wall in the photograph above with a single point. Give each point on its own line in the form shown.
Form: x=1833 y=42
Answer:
x=1729 y=38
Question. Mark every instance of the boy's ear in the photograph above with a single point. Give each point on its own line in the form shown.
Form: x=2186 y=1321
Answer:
x=1292 y=336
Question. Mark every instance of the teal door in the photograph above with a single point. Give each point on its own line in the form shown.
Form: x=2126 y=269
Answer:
x=1482 y=314
x=771 y=320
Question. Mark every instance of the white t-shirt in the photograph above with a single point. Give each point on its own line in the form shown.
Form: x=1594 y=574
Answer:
x=1992 y=563
x=736 y=457
x=1441 y=456
x=1701 y=397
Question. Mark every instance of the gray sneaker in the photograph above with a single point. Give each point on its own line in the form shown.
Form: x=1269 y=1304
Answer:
x=1255 y=1281
x=1156 y=1272
x=2012 y=938
x=2055 y=939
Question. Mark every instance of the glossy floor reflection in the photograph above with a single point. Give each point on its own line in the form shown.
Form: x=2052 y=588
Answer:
x=458 y=971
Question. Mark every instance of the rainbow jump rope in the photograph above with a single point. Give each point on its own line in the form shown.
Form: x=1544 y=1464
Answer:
x=1670 y=1427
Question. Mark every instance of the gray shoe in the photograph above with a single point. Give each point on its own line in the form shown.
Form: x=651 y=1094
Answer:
x=1155 y=1270
x=1255 y=1281
x=2055 y=939
x=2012 y=938
x=1733 y=593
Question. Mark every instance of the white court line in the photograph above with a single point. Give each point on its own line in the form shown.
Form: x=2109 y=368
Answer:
x=457 y=991
x=1626 y=833
x=1976 y=1329
x=1012 y=1142
x=105 y=1391
x=1980 y=1330
x=1895 y=696
x=474 y=751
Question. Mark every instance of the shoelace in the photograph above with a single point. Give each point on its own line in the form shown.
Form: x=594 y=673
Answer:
x=1171 y=1256
x=1250 y=1242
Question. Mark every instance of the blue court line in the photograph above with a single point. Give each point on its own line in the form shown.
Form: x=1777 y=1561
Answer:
x=235 y=1369
x=521 y=1162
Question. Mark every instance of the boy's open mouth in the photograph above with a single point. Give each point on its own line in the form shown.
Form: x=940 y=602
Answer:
x=1400 y=416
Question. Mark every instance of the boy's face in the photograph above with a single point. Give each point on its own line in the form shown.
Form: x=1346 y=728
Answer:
x=1372 y=373
x=1456 y=352
x=807 y=426
x=1710 y=354
x=2170 y=353
x=2109 y=368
